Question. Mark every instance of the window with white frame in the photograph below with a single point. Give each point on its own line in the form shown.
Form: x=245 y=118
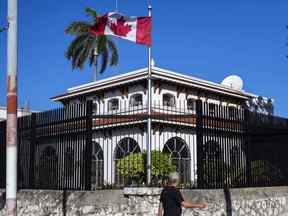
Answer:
x=97 y=166
x=191 y=104
x=136 y=100
x=179 y=154
x=124 y=147
x=169 y=100
x=113 y=104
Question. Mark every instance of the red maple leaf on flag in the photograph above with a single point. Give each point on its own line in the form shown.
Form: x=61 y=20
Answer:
x=120 y=28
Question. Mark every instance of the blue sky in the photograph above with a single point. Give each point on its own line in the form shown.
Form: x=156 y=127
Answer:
x=207 y=39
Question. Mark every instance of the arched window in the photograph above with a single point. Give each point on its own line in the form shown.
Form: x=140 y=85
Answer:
x=136 y=100
x=69 y=162
x=214 y=166
x=180 y=156
x=191 y=104
x=124 y=147
x=97 y=173
x=47 y=169
x=113 y=104
x=212 y=150
x=169 y=100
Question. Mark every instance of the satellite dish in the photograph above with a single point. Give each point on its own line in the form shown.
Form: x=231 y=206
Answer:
x=235 y=82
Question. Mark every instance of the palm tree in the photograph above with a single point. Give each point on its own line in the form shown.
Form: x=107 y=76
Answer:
x=86 y=46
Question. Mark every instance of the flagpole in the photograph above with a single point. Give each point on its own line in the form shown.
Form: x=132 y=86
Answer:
x=149 y=123
x=11 y=139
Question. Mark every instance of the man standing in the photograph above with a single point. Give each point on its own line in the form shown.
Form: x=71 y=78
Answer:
x=171 y=199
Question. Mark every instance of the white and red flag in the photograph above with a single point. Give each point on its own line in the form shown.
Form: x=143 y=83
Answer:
x=136 y=29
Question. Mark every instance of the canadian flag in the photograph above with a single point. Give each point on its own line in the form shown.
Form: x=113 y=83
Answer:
x=136 y=29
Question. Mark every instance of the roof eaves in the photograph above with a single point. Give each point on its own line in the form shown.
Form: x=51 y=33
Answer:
x=108 y=80
x=157 y=73
x=194 y=80
x=95 y=88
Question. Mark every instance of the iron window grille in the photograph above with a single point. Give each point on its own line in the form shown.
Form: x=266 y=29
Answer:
x=113 y=104
x=169 y=100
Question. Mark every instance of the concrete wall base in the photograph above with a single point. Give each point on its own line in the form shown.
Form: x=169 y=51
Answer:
x=144 y=201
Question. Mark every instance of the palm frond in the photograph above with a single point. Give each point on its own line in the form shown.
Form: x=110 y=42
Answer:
x=114 y=52
x=104 y=59
x=91 y=13
x=76 y=28
x=75 y=45
x=75 y=57
x=80 y=53
x=92 y=58
x=101 y=43
x=83 y=55
x=103 y=52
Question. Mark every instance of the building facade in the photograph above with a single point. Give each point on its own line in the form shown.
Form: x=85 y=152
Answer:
x=172 y=93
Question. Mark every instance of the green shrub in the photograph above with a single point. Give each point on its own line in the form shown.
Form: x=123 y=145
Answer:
x=134 y=166
x=262 y=173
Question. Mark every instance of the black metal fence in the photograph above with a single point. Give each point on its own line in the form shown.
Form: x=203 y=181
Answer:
x=86 y=148
x=221 y=146
x=267 y=150
x=54 y=149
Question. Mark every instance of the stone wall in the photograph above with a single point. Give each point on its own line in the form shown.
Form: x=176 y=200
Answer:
x=144 y=201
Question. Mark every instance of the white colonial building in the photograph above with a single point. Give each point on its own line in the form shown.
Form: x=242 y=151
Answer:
x=20 y=112
x=172 y=93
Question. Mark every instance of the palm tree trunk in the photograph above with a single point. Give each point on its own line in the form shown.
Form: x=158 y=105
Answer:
x=95 y=65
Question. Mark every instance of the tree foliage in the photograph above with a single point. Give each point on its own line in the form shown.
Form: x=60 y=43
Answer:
x=217 y=173
x=84 y=44
x=262 y=173
x=134 y=166
x=261 y=105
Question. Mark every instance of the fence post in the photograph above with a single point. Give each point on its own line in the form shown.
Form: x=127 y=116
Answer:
x=88 y=146
x=32 y=151
x=199 y=140
x=247 y=148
